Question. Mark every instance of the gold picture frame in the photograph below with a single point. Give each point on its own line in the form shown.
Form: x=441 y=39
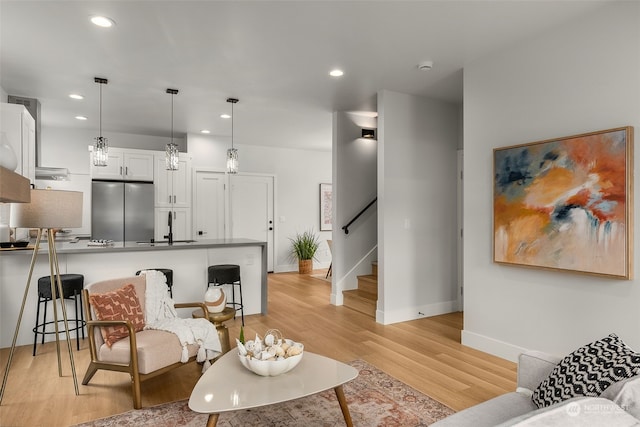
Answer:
x=566 y=204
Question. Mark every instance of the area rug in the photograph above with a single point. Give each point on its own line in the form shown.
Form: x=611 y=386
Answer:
x=374 y=399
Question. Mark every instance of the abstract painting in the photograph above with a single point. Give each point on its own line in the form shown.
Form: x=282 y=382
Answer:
x=566 y=204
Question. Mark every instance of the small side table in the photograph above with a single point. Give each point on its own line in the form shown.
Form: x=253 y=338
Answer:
x=218 y=320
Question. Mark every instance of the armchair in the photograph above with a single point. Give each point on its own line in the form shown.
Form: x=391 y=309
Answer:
x=143 y=354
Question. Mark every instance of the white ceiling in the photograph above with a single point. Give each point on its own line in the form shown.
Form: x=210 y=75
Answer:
x=273 y=55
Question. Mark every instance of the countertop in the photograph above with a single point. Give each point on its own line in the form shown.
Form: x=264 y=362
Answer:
x=82 y=246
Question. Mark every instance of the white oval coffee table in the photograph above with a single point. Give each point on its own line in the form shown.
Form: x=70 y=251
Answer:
x=229 y=386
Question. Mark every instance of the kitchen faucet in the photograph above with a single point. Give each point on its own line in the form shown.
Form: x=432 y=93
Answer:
x=170 y=235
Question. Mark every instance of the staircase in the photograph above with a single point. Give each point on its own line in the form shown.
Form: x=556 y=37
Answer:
x=365 y=298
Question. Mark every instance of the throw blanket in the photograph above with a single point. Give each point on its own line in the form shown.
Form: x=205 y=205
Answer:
x=160 y=314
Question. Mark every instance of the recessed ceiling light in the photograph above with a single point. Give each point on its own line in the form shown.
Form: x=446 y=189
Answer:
x=75 y=96
x=102 y=21
x=336 y=73
x=225 y=116
x=205 y=131
x=81 y=118
x=425 y=65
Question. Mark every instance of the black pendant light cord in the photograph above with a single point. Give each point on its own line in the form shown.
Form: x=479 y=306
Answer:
x=100 y=81
x=172 y=92
x=172 y=118
x=232 y=115
x=100 y=126
x=232 y=101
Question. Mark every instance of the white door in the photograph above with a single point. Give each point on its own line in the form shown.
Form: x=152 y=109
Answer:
x=251 y=208
x=209 y=205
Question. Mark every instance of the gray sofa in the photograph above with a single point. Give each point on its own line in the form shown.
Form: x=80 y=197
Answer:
x=517 y=408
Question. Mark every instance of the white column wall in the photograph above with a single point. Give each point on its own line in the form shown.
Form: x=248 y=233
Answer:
x=582 y=76
x=417 y=160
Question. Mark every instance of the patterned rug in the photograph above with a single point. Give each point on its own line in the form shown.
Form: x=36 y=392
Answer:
x=374 y=399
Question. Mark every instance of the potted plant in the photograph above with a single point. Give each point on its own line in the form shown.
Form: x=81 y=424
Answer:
x=303 y=248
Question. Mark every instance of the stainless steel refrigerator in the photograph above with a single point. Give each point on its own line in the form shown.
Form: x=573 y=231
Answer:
x=122 y=211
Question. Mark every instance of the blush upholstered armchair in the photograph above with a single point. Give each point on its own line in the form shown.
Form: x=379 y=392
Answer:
x=123 y=345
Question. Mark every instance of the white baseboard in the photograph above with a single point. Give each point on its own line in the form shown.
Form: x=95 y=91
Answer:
x=286 y=268
x=388 y=317
x=492 y=345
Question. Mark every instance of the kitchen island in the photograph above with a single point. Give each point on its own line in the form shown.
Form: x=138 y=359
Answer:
x=188 y=260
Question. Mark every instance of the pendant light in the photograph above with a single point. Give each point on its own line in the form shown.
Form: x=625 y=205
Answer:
x=232 y=153
x=171 y=151
x=101 y=148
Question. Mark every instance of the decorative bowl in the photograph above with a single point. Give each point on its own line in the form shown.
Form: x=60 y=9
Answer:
x=271 y=368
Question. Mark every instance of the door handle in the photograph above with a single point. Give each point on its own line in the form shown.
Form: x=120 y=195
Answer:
x=174 y=199
x=120 y=170
x=200 y=233
x=126 y=170
x=169 y=199
x=270 y=228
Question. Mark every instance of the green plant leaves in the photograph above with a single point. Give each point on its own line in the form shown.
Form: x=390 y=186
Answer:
x=305 y=245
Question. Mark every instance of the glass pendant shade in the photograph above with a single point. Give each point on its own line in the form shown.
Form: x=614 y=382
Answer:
x=171 y=159
x=171 y=150
x=232 y=160
x=232 y=153
x=100 y=151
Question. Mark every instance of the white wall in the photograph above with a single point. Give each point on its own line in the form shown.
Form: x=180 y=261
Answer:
x=417 y=158
x=583 y=76
x=355 y=186
x=69 y=148
x=299 y=174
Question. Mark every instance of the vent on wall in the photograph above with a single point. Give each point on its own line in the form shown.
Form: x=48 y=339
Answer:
x=33 y=107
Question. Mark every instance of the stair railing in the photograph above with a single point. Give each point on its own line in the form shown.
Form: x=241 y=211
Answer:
x=346 y=227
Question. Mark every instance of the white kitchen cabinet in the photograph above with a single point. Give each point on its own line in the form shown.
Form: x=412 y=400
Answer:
x=181 y=218
x=19 y=131
x=125 y=164
x=173 y=188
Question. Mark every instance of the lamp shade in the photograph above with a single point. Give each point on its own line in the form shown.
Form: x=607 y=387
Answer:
x=49 y=209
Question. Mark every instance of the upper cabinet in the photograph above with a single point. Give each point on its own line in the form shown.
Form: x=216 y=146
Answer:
x=125 y=164
x=173 y=188
x=19 y=132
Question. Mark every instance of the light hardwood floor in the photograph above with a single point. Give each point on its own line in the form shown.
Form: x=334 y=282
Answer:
x=425 y=353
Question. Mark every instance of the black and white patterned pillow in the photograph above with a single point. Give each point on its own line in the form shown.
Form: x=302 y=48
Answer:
x=588 y=371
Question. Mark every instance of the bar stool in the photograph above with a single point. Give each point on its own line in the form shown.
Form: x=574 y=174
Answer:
x=168 y=273
x=72 y=285
x=228 y=274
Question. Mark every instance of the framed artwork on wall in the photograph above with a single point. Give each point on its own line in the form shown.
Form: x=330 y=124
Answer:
x=326 y=207
x=566 y=204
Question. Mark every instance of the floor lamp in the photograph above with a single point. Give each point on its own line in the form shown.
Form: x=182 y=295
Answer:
x=48 y=210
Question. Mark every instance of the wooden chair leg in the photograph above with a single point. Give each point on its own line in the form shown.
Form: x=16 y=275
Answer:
x=91 y=371
x=135 y=385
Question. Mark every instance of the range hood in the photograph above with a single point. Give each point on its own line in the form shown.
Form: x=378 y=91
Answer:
x=56 y=174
